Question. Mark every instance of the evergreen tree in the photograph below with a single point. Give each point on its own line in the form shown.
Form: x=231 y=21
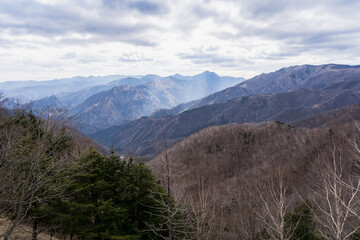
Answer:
x=34 y=157
x=301 y=223
x=109 y=199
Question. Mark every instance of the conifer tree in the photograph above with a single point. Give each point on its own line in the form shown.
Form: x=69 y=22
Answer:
x=34 y=156
x=108 y=199
x=301 y=222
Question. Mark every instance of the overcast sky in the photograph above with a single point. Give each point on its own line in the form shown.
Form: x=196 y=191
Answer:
x=46 y=39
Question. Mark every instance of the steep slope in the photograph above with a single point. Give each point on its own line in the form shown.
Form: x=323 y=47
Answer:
x=73 y=99
x=143 y=135
x=45 y=102
x=330 y=118
x=309 y=76
x=285 y=79
x=124 y=103
x=115 y=106
x=234 y=168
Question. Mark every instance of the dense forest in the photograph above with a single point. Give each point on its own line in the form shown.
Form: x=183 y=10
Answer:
x=179 y=120
x=250 y=181
x=55 y=185
x=269 y=180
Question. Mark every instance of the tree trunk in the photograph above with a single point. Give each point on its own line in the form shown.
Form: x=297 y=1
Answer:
x=15 y=222
x=51 y=232
x=35 y=229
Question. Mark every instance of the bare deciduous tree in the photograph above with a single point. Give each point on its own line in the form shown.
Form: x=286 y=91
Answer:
x=203 y=211
x=174 y=224
x=336 y=193
x=33 y=161
x=275 y=201
x=245 y=220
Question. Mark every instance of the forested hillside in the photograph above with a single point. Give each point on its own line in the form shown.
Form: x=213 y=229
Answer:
x=282 y=166
x=267 y=181
x=56 y=184
x=143 y=135
x=179 y=120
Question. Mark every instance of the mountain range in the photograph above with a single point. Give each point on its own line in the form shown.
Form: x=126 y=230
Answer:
x=293 y=93
x=140 y=113
x=34 y=90
x=115 y=102
x=124 y=103
x=225 y=152
x=100 y=102
x=285 y=79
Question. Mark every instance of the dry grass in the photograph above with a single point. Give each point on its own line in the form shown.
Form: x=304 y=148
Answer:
x=23 y=232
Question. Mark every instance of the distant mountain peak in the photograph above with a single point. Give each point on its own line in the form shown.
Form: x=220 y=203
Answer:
x=50 y=97
x=50 y=101
x=207 y=73
x=151 y=77
x=177 y=75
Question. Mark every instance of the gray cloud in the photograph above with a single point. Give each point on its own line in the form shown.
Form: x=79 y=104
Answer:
x=200 y=57
x=48 y=20
x=146 y=7
x=99 y=39
x=4 y=42
x=204 y=12
x=134 y=57
x=142 y=6
x=306 y=24
x=27 y=17
x=263 y=9
x=88 y=60
x=69 y=55
x=218 y=33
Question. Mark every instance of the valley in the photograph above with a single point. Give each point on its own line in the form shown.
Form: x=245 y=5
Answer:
x=179 y=120
x=219 y=146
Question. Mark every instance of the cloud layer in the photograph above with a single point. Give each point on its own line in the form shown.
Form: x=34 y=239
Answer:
x=44 y=39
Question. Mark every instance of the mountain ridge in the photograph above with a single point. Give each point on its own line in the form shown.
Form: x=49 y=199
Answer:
x=140 y=135
x=284 y=79
x=132 y=102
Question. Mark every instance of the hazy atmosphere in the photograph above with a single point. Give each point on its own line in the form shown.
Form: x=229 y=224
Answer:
x=179 y=119
x=46 y=39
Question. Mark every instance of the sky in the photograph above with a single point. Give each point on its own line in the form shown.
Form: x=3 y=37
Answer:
x=47 y=39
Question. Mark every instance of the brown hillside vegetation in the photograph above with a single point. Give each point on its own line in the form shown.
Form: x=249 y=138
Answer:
x=230 y=173
x=25 y=232
x=341 y=115
x=141 y=136
x=229 y=154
